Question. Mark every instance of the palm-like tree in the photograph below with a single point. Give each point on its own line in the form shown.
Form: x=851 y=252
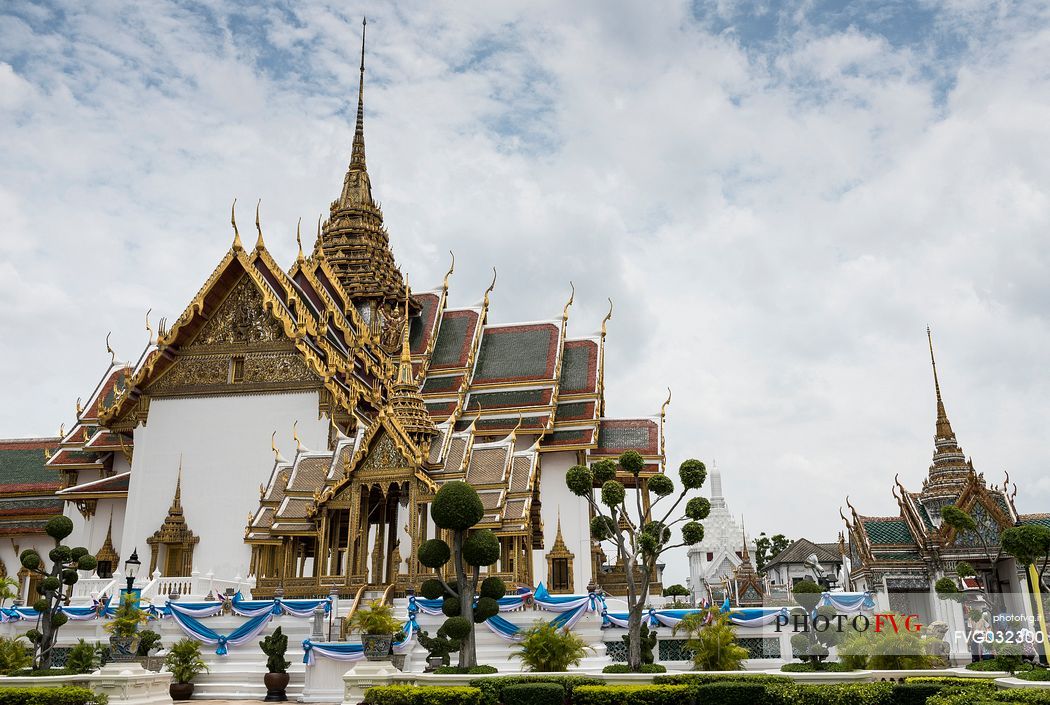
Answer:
x=712 y=640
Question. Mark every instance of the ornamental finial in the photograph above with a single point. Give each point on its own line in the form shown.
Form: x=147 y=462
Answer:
x=299 y=239
x=109 y=349
x=608 y=317
x=572 y=297
x=237 y=244
x=149 y=328
x=485 y=301
x=80 y=407
x=663 y=407
x=273 y=446
x=295 y=436
x=259 y=242
x=451 y=268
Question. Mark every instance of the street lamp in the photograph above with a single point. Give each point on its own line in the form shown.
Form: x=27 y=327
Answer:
x=131 y=568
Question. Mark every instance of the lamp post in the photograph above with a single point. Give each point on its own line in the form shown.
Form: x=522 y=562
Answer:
x=131 y=568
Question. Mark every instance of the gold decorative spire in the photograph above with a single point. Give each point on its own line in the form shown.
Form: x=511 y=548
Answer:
x=109 y=349
x=357 y=155
x=451 y=268
x=108 y=552
x=176 y=501
x=149 y=328
x=572 y=297
x=743 y=538
x=405 y=401
x=237 y=244
x=559 y=546
x=354 y=241
x=944 y=428
x=259 y=244
x=299 y=240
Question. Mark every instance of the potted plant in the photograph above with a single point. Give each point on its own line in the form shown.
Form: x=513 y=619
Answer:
x=185 y=663
x=378 y=628
x=124 y=629
x=276 y=678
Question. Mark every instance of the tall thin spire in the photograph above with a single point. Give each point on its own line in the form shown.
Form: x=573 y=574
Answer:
x=357 y=156
x=717 y=499
x=944 y=428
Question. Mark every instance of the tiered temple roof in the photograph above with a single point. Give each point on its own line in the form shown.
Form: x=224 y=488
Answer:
x=27 y=486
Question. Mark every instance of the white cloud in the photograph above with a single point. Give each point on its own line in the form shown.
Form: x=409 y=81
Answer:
x=777 y=220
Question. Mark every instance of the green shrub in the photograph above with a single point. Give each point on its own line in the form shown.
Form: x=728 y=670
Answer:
x=914 y=693
x=545 y=647
x=825 y=666
x=696 y=679
x=492 y=688
x=534 y=694
x=65 y=695
x=473 y=670
x=839 y=694
x=15 y=654
x=1023 y=696
x=147 y=640
x=993 y=664
x=1040 y=674
x=84 y=657
x=714 y=645
x=421 y=695
x=632 y=695
x=733 y=693
x=645 y=668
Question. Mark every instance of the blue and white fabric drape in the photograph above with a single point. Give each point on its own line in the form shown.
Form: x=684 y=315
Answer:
x=512 y=632
x=252 y=628
x=432 y=607
x=80 y=613
x=295 y=608
x=743 y=617
x=849 y=602
x=564 y=603
x=192 y=609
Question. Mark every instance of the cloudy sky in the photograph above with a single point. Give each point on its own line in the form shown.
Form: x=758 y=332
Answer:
x=778 y=196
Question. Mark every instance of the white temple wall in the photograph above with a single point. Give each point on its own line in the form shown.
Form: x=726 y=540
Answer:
x=575 y=520
x=224 y=447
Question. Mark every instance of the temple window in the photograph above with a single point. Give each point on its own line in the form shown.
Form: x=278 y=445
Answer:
x=560 y=581
x=559 y=565
x=236 y=370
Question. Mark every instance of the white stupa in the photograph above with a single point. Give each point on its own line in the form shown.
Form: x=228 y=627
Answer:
x=714 y=559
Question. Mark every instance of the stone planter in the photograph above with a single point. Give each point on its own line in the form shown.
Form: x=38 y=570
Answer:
x=180 y=691
x=377 y=646
x=123 y=649
x=275 y=686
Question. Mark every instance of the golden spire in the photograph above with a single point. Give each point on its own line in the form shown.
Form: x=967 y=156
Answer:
x=237 y=244
x=743 y=537
x=944 y=428
x=259 y=245
x=357 y=156
x=299 y=240
x=109 y=349
x=176 y=501
x=404 y=368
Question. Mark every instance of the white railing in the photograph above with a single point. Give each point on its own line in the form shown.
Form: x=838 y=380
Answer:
x=197 y=586
x=92 y=588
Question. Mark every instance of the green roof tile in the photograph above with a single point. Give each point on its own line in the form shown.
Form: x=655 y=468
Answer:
x=881 y=531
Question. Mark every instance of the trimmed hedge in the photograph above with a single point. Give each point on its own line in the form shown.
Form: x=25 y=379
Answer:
x=701 y=678
x=65 y=695
x=492 y=688
x=734 y=693
x=831 y=694
x=632 y=695
x=807 y=667
x=534 y=694
x=472 y=671
x=915 y=693
x=421 y=695
x=1019 y=696
x=1040 y=674
x=645 y=668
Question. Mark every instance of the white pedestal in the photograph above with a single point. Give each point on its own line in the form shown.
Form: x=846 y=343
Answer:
x=363 y=676
x=131 y=684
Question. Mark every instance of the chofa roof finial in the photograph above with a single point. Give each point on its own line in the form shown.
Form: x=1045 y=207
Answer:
x=237 y=244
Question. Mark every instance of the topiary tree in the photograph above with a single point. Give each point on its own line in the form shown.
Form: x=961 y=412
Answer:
x=1029 y=544
x=648 y=638
x=814 y=643
x=55 y=587
x=439 y=646
x=457 y=508
x=675 y=591
x=639 y=537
